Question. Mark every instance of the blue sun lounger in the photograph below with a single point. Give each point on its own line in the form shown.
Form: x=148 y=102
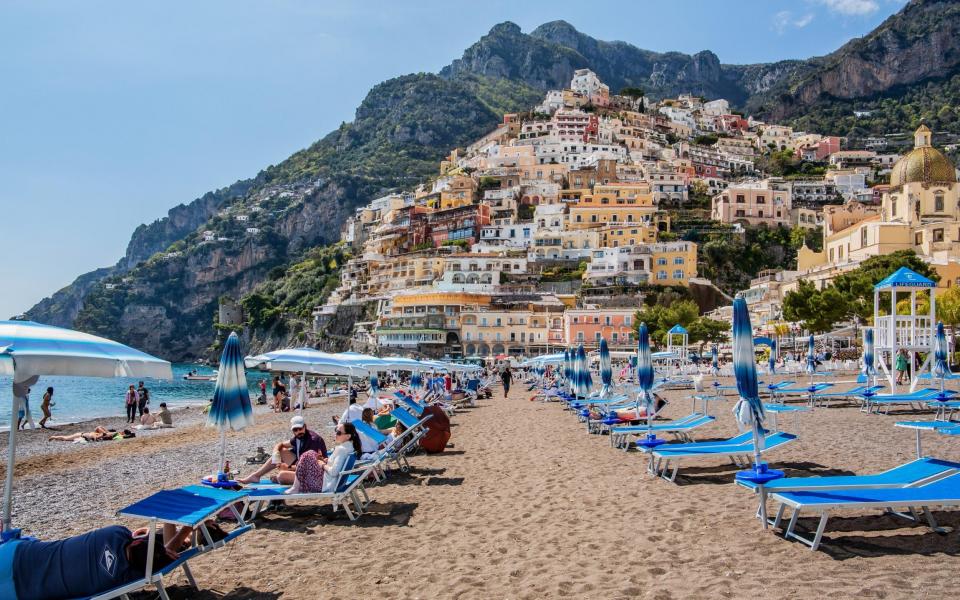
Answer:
x=738 y=450
x=914 y=399
x=397 y=450
x=192 y=506
x=855 y=393
x=681 y=428
x=943 y=492
x=347 y=492
x=803 y=390
x=914 y=473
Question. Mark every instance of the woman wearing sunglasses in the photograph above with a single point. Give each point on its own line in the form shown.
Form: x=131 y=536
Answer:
x=316 y=474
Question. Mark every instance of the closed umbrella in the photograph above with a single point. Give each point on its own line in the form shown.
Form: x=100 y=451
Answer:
x=567 y=374
x=645 y=376
x=374 y=390
x=869 y=370
x=715 y=361
x=940 y=367
x=29 y=350
x=772 y=361
x=749 y=409
x=811 y=358
x=606 y=369
x=584 y=382
x=231 y=408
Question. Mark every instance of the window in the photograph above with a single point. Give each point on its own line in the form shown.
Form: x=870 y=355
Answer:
x=662 y=260
x=740 y=199
x=614 y=337
x=863 y=237
x=661 y=274
x=579 y=336
x=596 y=320
x=893 y=208
x=937 y=235
x=483 y=321
x=607 y=320
x=740 y=213
x=593 y=218
x=918 y=238
x=499 y=321
x=938 y=205
x=576 y=320
x=627 y=320
x=498 y=336
x=678 y=260
x=597 y=337
x=678 y=274
x=761 y=200
x=760 y=213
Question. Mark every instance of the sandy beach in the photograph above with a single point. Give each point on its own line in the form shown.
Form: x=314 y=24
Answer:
x=525 y=505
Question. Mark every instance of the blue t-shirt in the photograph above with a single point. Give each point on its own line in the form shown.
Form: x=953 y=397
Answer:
x=75 y=567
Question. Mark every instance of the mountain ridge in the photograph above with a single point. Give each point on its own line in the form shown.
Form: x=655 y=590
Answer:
x=401 y=129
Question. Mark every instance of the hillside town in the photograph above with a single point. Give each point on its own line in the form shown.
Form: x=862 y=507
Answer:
x=553 y=228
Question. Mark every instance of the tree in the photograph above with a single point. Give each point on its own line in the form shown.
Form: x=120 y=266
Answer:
x=817 y=310
x=857 y=285
x=708 y=331
x=632 y=92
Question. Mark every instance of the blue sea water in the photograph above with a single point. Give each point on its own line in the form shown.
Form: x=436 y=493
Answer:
x=84 y=398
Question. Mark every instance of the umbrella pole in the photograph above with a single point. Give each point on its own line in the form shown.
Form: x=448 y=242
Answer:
x=223 y=450
x=303 y=391
x=11 y=461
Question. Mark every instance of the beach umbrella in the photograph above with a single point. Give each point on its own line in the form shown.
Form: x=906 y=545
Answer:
x=374 y=390
x=749 y=409
x=566 y=369
x=416 y=380
x=606 y=368
x=584 y=382
x=772 y=361
x=715 y=361
x=940 y=367
x=811 y=357
x=645 y=375
x=869 y=370
x=30 y=350
x=231 y=408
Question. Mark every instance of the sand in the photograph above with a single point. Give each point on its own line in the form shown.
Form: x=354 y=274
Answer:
x=527 y=505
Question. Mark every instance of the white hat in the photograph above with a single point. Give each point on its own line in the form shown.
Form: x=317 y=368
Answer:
x=297 y=422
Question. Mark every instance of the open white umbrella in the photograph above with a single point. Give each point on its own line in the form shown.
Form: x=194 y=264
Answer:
x=308 y=360
x=29 y=350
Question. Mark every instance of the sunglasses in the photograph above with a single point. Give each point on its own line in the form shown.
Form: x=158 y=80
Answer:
x=341 y=432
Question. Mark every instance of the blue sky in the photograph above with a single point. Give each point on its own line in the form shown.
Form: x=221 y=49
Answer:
x=115 y=111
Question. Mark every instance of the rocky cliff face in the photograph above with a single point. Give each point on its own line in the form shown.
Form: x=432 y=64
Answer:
x=920 y=42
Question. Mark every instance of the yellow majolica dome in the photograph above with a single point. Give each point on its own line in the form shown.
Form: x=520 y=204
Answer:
x=924 y=164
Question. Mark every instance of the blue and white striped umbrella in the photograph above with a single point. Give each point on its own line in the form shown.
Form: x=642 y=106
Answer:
x=811 y=356
x=606 y=368
x=644 y=373
x=415 y=380
x=30 y=350
x=584 y=382
x=940 y=367
x=749 y=410
x=772 y=361
x=568 y=369
x=231 y=408
x=715 y=361
x=869 y=370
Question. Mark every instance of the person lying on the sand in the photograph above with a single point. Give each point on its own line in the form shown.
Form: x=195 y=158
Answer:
x=88 y=564
x=287 y=454
x=97 y=435
x=629 y=414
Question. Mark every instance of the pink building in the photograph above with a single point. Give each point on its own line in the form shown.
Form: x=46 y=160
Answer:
x=587 y=325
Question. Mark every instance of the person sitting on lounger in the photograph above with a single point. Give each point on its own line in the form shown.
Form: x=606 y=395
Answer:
x=97 y=435
x=316 y=474
x=83 y=565
x=286 y=455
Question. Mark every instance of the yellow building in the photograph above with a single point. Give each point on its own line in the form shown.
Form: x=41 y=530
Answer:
x=920 y=211
x=613 y=203
x=614 y=236
x=462 y=191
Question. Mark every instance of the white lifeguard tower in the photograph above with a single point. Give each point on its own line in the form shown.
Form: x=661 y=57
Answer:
x=678 y=333
x=913 y=333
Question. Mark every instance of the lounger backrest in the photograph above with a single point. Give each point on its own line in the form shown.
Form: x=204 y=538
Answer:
x=371 y=432
x=347 y=478
x=473 y=385
x=404 y=417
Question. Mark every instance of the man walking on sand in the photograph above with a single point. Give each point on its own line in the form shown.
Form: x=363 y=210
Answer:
x=506 y=377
